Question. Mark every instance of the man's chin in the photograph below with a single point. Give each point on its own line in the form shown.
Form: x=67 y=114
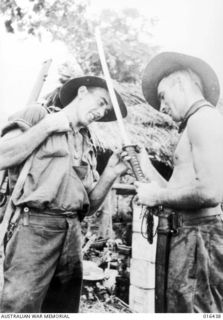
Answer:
x=91 y=119
x=85 y=121
x=174 y=117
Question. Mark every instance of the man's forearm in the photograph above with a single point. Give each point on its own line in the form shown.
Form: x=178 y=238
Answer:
x=188 y=198
x=98 y=194
x=14 y=149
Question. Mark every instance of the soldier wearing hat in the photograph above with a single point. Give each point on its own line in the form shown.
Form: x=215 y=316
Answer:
x=187 y=89
x=43 y=259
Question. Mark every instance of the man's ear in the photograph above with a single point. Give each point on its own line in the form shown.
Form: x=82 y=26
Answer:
x=81 y=92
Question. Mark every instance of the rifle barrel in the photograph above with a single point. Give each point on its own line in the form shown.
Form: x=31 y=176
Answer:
x=41 y=78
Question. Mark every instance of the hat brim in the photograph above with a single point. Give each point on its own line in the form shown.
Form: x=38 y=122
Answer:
x=70 y=89
x=168 y=62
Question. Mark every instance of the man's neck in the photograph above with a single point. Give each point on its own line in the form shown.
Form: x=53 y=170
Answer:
x=71 y=113
x=193 y=109
x=192 y=99
x=196 y=104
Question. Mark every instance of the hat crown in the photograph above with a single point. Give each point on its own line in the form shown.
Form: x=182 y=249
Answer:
x=166 y=63
x=70 y=89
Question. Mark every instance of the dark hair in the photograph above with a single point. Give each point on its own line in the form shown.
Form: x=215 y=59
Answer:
x=53 y=99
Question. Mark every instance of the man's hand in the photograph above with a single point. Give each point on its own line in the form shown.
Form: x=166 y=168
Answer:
x=57 y=122
x=118 y=163
x=148 y=193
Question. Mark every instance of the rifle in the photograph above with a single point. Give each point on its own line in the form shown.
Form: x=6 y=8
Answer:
x=164 y=231
x=38 y=85
x=41 y=78
x=5 y=199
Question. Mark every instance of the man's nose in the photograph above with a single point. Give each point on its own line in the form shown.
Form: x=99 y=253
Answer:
x=164 y=108
x=103 y=111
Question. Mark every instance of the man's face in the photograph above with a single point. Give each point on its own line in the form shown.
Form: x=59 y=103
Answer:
x=94 y=104
x=171 y=96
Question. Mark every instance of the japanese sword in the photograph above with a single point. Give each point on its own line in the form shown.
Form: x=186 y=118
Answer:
x=164 y=234
x=127 y=145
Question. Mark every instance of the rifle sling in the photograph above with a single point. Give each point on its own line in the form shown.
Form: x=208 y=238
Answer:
x=12 y=200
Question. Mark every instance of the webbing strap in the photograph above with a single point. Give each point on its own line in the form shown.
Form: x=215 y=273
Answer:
x=13 y=199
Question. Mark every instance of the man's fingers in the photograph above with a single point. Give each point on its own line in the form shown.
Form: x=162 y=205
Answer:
x=122 y=154
x=125 y=156
x=116 y=150
x=137 y=200
x=136 y=184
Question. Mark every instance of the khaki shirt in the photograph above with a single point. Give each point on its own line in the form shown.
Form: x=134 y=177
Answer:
x=63 y=169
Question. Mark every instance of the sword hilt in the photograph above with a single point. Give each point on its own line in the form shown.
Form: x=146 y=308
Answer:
x=136 y=168
x=134 y=161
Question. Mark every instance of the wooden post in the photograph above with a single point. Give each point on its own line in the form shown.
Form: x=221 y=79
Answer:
x=142 y=264
x=142 y=267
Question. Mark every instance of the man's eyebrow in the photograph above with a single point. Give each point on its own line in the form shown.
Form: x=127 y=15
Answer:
x=105 y=100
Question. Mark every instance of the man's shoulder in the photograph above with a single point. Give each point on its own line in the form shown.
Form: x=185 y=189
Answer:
x=25 y=118
x=207 y=117
x=206 y=122
x=31 y=114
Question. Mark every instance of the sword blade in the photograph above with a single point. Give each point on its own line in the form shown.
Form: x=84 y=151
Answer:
x=111 y=91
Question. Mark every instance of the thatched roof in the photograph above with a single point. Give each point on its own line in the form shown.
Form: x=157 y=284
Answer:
x=146 y=126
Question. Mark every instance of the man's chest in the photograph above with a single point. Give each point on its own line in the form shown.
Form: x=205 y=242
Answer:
x=183 y=152
x=183 y=172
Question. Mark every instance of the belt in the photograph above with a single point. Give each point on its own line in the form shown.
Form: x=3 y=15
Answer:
x=197 y=217
x=66 y=214
x=27 y=212
x=180 y=219
x=197 y=214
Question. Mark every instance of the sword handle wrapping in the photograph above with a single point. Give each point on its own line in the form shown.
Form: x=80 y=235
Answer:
x=136 y=168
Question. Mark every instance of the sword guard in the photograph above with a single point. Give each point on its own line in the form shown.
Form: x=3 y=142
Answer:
x=135 y=146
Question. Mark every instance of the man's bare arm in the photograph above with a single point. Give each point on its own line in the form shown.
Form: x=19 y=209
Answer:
x=99 y=193
x=16 y=145
x=117 y=165
x=205 y=132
